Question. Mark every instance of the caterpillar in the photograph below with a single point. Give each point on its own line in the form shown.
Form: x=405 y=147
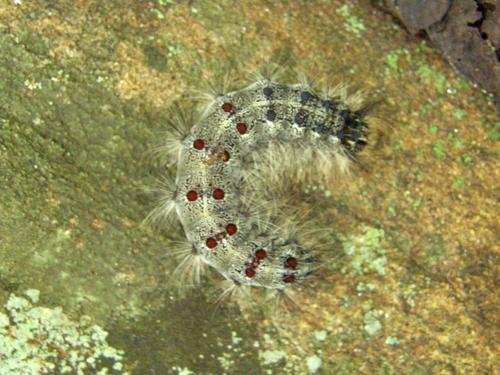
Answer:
x=221 y=158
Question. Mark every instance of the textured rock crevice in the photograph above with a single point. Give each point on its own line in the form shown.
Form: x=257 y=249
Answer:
x=467 y=32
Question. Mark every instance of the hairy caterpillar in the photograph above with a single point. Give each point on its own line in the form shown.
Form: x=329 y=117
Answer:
x=217 y=193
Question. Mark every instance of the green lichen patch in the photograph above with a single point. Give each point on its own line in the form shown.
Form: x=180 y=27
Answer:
x=277 y=356
x=372 y=322
x=41 y=340
x=353 y=24
x=366 y=251
x=313 y=363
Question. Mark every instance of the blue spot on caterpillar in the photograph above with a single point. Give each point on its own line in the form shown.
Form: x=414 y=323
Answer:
x=214 y=195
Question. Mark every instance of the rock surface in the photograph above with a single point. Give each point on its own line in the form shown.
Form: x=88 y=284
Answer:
x=85 y=87
x=467 y=32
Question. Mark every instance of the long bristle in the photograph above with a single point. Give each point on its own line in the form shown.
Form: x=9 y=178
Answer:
x=282 y=301
x=334 y=163
x=283 y=168
x=301 y=225
x=309 y=82
x=272 y=169
x=231 y=292
x=190 y=269
x=178 y=125
x=338 y=91
x=219 y=85
x=258 y=210
x=164 y=213
x=270 y=72
x=356 y=100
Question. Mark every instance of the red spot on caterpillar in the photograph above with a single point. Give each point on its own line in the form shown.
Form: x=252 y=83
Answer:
x=241 y=127
x=192 y=195
x=231 y=229
x=289 y=279
x=250 y=272
x=224 y=155
x=260 y=254
x=211 y=242
x=220 y=236
x=227 y=107
x=218 y=194
x=291 y=262
x=199 y=144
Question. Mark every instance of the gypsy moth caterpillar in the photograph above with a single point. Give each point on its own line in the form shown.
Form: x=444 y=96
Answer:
x=235 y=166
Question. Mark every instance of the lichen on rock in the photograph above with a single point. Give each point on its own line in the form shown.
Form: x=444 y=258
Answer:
x=41 y=340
